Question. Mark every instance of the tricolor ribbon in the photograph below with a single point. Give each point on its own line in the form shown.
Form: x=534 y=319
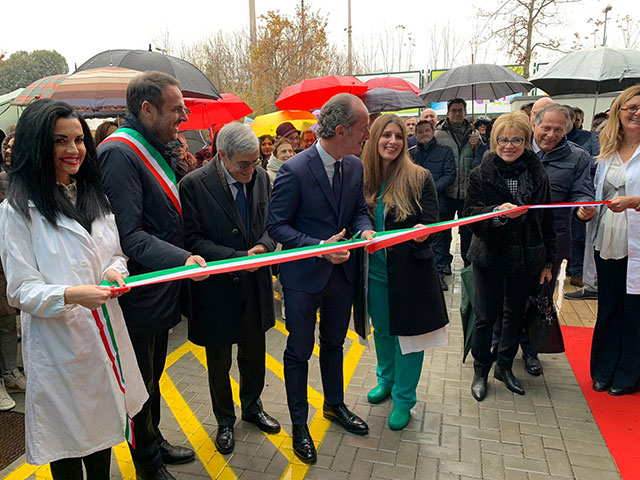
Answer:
x=380 y=240
x=103 y=322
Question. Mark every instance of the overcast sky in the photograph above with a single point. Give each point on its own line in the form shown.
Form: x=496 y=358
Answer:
x=78 y=30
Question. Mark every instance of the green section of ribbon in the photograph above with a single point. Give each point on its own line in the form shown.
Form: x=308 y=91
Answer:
x=152 y=150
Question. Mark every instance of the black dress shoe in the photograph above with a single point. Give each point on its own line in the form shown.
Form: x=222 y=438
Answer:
x=600 y=386
x=224 y=441
x=174 y=454
x=532 y=366
x=160 y=474
x=479 y=387
x=617 y=392
x=447 y=270
x=303 y=445
x=509 y=380
x=263 y=421
x=349 y=420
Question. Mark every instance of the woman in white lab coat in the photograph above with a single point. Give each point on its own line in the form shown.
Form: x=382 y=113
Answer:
x=614 y=232
x=58 y=241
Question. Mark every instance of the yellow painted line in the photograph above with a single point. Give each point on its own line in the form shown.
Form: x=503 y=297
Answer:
x=276 y=439
x=23 y=471
x=125 y=462
x=213 y=462
x=177 y=354
x=297 y=470
x=44 y=473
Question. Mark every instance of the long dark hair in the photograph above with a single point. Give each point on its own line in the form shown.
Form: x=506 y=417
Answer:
x=33 y=175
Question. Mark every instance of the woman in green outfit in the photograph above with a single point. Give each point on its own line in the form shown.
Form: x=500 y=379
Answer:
x=405 y=300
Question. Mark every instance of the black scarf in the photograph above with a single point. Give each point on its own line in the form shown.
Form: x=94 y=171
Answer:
x=513 y=169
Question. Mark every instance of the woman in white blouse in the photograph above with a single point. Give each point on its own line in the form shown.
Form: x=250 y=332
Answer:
x=615 y=233
x=58 y=241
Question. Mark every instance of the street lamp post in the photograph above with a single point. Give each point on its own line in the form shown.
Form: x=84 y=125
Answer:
x=606 y=14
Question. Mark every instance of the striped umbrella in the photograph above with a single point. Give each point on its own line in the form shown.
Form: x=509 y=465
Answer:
x=97 y=92
x=42 y=88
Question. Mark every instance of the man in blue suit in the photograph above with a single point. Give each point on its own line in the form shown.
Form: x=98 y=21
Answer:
x=318 y=198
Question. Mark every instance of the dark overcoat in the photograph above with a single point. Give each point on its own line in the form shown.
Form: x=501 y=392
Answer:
x=151 y=232
x=416 y=302
x=215 y=231
x=522 y=244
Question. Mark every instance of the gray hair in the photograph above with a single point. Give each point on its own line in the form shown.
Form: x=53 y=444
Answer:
x=237 y=138
x=339 y=110
x=554 y=107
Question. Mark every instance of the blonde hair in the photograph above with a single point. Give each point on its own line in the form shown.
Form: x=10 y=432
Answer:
x=612 y=135
x=404 y=179
x=516 y=120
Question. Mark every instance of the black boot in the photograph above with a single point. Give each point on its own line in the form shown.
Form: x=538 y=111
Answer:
x=479 y=387
x=509 y=380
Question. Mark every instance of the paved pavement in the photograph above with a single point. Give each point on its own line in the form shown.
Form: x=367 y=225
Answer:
x=548 y=433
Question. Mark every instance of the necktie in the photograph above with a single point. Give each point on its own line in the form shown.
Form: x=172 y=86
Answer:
x=540 y=154
x=337 y=181
x=241 y=202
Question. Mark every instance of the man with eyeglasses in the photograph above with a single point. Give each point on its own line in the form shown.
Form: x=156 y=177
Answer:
x=149 y=218
x=457 y=133
x=225 y=206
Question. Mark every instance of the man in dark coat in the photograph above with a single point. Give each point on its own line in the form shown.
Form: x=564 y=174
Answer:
x=439 y=160
x=458 y=133
x=318 y=197
x=149 y=219
x=225 y=206
x=568 y=167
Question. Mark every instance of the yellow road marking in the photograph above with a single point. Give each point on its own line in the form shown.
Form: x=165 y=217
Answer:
x=23 y=471
x=213 y=462
x=125 y=462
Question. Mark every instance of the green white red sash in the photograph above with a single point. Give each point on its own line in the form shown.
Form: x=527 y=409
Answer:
x=152 y=159
x=103 y=322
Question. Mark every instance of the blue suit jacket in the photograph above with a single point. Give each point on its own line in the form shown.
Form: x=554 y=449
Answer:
x=303 y=212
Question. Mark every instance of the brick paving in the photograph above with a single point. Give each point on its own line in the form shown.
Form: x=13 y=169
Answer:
x=548 y=433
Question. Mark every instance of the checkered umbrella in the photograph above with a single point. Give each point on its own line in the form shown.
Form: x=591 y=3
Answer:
x=42 y=88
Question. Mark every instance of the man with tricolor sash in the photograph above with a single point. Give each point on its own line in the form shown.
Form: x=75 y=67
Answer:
x=140 y=180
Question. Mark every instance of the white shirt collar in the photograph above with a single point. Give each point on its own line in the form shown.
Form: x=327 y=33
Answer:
x=326 y=158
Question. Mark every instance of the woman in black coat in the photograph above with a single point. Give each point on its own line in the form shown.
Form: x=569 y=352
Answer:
x=510 y=254
x=405 y=300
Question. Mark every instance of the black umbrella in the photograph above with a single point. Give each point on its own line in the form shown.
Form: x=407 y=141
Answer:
x=483 y=81
x=592 y=71
x=193 y=82
x=388 y=100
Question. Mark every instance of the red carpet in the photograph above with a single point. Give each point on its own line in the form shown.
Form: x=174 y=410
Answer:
x=617 y=417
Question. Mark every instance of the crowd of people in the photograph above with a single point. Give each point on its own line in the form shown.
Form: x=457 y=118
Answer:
x=79 y=212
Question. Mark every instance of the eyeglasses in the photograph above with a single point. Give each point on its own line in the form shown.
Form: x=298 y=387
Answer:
x=247 y=166
x=515 y=141
x=633 y=109
x=180 y=110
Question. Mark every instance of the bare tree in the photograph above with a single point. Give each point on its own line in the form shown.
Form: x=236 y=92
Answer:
x=630 y=30
x=162 y=41
x=386 y=51
x=522 y=27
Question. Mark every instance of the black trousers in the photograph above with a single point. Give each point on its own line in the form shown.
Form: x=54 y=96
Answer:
x=251 y=362
x=499 y=295
x=97 y=466
x=615 y=351
x=455 y=206
x=525 y=343
x=151 y=353
x=334 y=302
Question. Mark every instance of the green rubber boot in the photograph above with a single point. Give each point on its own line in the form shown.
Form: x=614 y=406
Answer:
x=378 y=393
x=399 y=418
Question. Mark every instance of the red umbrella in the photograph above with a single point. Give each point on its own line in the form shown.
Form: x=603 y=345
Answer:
x=394 y=83
x=314 y=92
x=206 y=112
